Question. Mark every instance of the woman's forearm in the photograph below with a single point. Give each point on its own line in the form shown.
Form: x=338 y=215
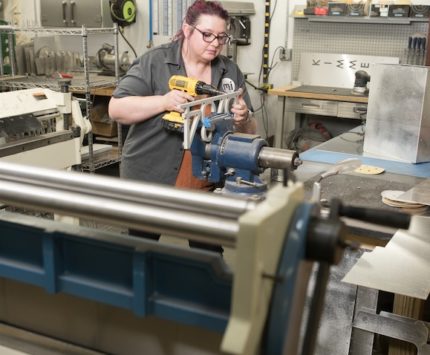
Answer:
x=133 y=109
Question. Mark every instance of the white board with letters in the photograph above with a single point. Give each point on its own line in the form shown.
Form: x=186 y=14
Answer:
x=336 y=70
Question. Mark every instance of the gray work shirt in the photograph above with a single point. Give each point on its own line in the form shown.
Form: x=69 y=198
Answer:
x=151 y=153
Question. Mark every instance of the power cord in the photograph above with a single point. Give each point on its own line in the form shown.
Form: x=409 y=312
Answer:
x=254 y=86
x=272 y=66
x=263 y=91
x=121 y=32
x=122 y=20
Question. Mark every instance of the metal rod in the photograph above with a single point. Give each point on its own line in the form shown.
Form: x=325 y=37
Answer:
x=1 y=53
x=143 y=193
x=278 y=158
x=11 y=53
x=88 y=102
x=210 y=100
x=116 y=44
x=316 y=309
x=427 y=56
x=189 y=225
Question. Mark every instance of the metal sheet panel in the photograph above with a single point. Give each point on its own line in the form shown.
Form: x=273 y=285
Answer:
x=384 y=268
x=398 y=117
x=418 y=194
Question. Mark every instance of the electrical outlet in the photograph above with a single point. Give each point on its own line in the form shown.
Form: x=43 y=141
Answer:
x=285 y=54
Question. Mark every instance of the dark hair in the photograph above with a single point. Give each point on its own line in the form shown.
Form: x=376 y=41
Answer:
x=198 y=8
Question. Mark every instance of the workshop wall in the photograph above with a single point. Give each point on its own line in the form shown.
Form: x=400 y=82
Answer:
x=249 y=57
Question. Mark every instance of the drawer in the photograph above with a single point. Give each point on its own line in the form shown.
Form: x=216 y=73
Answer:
x=317 y=107
x=351 y=110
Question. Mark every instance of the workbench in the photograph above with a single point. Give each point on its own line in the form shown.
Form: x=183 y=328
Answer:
x=358 y=190
x=350 y=145
x=317 y=100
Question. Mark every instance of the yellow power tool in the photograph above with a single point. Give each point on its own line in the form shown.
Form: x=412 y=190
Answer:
x=173 y=120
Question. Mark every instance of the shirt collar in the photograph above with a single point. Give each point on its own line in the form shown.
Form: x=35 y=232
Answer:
x=174 y=56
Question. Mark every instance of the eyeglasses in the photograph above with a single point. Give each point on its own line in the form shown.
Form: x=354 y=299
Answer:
x=209 y=37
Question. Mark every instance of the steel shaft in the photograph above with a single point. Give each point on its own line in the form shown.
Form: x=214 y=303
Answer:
x=153 y=208
x=144 y=193
x=278 y=158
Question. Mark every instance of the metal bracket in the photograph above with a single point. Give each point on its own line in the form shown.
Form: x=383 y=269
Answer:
x=394 y=326
x=192 y=117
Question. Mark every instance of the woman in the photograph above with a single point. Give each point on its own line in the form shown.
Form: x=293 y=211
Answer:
x=151 y=153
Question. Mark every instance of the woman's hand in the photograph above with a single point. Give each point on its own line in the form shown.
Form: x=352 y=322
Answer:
x=243 y=118
x=174 y=98
x=241 y=111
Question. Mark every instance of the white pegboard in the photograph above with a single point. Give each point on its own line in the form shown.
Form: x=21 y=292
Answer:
x=375 y=39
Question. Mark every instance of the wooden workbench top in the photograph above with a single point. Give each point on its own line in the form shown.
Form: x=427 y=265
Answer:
x=318 y=93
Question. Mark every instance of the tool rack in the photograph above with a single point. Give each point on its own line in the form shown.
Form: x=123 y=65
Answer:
x=85 y=84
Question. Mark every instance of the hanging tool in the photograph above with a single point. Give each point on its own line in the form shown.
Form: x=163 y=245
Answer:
x=416 y=51
x=360 y=83
x=123 y=12
x=173 y=120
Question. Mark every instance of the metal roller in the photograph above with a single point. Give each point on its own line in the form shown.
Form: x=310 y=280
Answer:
x=278 y=158
x=142 y=193
x=185 y=224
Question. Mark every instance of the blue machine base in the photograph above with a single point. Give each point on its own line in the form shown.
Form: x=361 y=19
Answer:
x=148 y=278
x=192 y=287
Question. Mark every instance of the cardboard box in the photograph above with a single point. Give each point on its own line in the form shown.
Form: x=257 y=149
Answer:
x=101 y=122
x=105 y=129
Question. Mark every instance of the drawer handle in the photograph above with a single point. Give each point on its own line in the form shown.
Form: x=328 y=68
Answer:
x=360 y=110
x=64 y=5
x=311 y=106
x=72 y=12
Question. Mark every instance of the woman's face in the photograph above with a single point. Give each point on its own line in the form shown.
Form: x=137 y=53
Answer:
x=206 y=37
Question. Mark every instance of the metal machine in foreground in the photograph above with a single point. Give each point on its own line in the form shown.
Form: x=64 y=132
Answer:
x=184 y=301
x=252 y=307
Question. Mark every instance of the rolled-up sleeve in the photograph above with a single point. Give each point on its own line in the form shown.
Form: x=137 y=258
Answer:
x=137 y=81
